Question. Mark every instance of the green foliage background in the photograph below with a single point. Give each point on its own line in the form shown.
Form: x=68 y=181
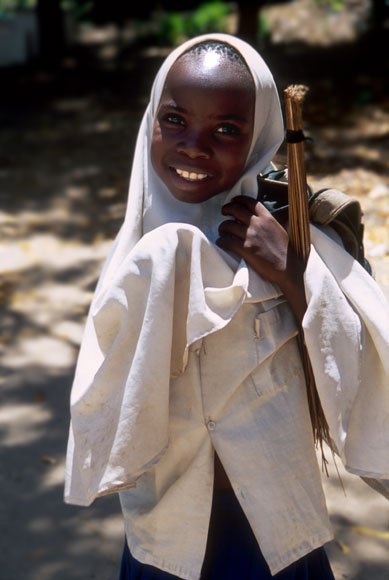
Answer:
x=207 y=17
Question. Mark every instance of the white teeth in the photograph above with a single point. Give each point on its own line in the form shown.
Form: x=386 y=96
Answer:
x=191 y=176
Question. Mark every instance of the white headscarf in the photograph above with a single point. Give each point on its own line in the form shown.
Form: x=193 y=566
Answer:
x=150 y=204
x=139 y=326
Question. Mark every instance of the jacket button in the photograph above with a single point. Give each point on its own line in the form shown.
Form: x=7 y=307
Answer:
x=211 y=425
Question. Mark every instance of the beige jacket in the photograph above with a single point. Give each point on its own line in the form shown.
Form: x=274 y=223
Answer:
x=198 y=354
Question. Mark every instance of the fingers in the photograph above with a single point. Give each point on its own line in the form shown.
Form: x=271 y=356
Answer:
x=233 y=228
x=230 y=244
x=242 y=208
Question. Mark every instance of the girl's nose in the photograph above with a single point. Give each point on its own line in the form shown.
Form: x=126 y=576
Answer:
x=194 y=148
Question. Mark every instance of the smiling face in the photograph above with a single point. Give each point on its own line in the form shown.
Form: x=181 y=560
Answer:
x=203 y=127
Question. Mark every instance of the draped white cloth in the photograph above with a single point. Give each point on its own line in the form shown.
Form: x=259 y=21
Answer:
x=346 y=328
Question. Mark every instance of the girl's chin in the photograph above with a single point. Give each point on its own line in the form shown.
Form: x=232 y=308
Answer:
x=192 y=196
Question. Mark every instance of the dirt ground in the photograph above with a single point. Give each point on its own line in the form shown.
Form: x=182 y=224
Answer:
x=65 y=154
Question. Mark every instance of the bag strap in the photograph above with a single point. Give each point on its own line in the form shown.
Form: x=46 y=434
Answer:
x=344 y=214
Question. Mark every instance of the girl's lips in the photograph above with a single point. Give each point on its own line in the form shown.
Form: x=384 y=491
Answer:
x=190 y=175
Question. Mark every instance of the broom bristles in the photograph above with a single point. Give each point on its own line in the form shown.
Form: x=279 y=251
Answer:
x=300 y=240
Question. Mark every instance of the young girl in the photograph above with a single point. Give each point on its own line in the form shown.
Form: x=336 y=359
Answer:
x=189 y=396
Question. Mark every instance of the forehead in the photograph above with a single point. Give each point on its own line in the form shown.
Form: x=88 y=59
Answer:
x=210 y=73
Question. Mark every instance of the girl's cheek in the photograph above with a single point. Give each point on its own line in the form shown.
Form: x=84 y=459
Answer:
x=156 y=139
x=156 y=129
x=156 y=152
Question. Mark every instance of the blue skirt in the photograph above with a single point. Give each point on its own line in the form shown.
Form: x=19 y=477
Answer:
x=233 y=553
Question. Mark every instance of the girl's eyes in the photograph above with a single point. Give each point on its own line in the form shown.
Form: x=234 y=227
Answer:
x=228 y=129
x=174 y=119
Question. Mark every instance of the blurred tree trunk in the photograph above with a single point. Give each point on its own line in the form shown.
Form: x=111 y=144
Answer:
x=51 y=30
x=248 y=20
x=380 y=9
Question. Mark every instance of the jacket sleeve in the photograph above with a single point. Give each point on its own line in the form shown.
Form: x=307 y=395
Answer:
x=346 y=329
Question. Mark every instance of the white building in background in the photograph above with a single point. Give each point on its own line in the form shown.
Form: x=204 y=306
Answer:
x=19 y=38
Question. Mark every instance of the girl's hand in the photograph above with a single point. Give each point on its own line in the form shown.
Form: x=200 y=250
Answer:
x=264 y=244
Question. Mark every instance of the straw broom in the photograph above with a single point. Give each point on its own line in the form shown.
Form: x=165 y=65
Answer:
x=300 y=239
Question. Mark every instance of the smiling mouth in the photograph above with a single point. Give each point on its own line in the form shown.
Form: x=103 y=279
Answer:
x=190 y=175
